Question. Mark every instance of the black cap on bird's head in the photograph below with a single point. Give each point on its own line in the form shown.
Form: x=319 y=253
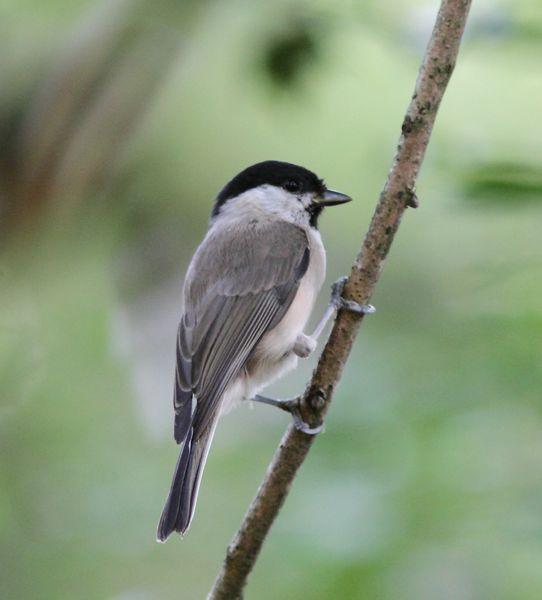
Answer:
x=290 y=177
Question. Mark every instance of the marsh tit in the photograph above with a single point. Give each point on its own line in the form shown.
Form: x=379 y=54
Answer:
x=248 y=293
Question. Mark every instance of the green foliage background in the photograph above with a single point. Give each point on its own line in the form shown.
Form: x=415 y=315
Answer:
x=428 y=481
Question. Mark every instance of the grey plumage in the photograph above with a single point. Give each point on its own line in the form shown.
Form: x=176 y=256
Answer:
x=248 y=294
x=238 y=287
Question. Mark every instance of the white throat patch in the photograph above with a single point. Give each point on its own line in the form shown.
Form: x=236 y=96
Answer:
x=271 y=201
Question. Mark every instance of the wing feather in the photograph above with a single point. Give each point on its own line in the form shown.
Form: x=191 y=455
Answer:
x=243 y=288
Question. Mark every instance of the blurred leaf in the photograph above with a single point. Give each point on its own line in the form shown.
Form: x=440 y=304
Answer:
x=503 y=183
x=290 y=52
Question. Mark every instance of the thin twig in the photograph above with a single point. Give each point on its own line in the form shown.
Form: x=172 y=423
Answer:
x=398 y=194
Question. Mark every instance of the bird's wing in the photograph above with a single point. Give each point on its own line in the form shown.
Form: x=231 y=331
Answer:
x=237 y=288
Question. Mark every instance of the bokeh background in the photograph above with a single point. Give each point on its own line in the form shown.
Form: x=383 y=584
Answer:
x=119 y=122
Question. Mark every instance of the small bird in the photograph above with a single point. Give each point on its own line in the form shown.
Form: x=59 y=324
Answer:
x=248 y=293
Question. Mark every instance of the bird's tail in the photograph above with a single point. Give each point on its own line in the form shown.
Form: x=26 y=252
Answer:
x=181 y=501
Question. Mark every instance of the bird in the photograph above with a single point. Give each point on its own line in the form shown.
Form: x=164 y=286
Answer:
x=248 y=293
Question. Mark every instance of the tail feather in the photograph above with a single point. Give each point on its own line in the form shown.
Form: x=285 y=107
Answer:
x=173 y=502
x=181 y=502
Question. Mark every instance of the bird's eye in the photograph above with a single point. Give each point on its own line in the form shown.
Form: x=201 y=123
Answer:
x=291 y=185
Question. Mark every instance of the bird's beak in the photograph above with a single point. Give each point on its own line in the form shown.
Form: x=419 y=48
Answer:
x=332 y=198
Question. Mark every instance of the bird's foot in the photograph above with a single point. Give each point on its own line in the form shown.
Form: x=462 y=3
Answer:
x=339 y=302
x=292 y=406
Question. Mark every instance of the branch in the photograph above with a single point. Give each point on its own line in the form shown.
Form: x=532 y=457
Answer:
x=398 y=194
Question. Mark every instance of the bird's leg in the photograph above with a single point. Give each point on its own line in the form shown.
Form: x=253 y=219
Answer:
x=304 y=344
x=292 y=406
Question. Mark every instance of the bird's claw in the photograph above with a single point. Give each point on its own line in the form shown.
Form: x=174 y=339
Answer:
x=292 y=406
x=300 y=425
x=337 y=290
x=358 y=309
x=341 y=303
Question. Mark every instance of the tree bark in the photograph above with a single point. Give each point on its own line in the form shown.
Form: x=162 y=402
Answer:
x=398 y=194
